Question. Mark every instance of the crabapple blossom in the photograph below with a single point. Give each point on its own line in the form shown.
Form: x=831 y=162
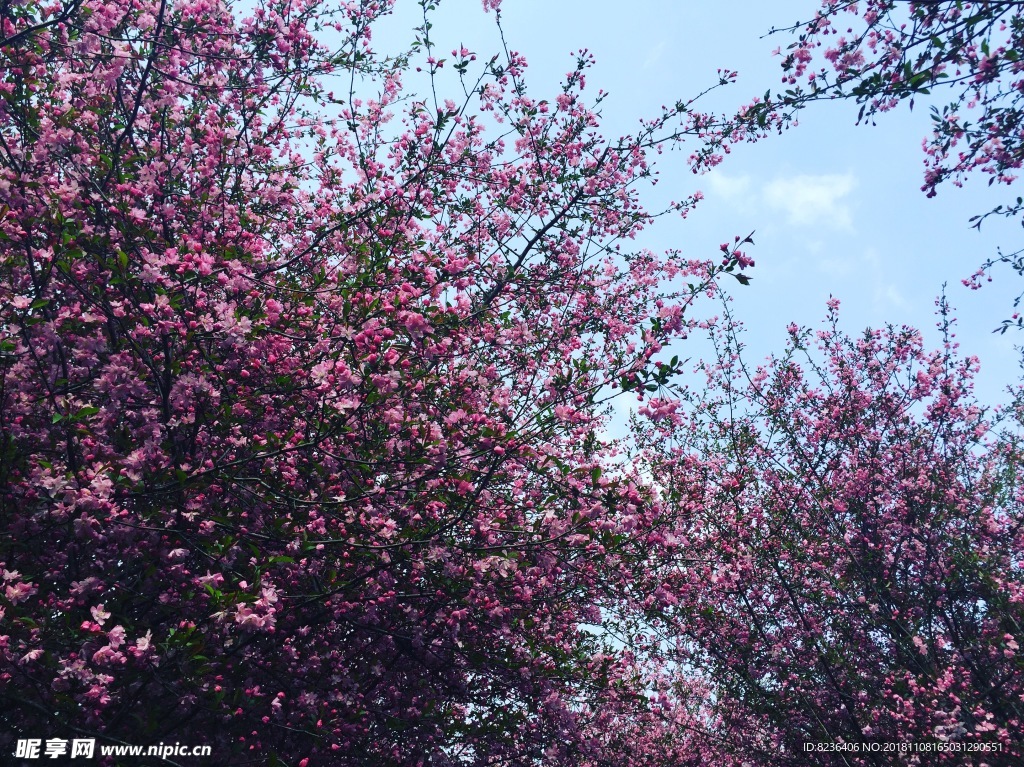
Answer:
x=303 y=384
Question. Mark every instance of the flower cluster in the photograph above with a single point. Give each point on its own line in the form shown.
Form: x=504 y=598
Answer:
x=303 y=381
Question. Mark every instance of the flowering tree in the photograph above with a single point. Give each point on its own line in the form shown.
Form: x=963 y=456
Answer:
x=849 y=539
x=302 y=386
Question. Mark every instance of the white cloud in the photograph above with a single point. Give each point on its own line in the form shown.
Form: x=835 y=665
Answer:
x=812 y=200
x=654 y=56
x=837 y=267
x=729 y=187
x=890 y=295
x=886 y=294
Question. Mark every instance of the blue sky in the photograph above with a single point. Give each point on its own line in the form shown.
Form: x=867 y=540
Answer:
x=836 y=208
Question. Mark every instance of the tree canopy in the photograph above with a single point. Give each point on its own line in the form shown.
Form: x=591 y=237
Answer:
x=303 y=385
x=850 y=527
